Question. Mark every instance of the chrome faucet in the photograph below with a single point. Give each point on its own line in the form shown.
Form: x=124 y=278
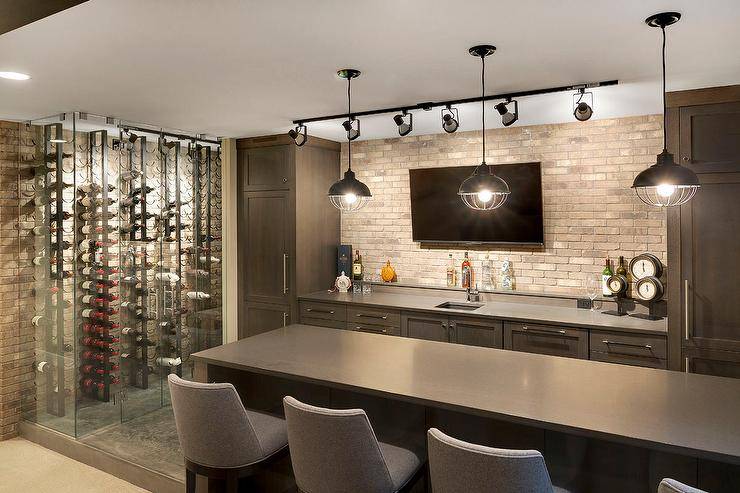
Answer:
x=472 y=294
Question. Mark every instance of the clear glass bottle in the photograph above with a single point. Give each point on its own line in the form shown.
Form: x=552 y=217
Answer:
x=486 y=274
x=451 y=272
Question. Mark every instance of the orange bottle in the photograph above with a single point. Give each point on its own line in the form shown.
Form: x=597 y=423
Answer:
x=467 y=272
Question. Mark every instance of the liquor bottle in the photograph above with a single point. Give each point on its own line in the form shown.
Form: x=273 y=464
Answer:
x=486 y=273
x=451 y=272
x=467 y=272
x=605 y=275
x=197 y=295
x=357 y=267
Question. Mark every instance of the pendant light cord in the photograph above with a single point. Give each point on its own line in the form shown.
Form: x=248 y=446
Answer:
x=483 y=103
x=349 y=119
x=665 y=130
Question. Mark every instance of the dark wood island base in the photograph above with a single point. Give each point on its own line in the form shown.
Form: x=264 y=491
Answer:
x=601 y=427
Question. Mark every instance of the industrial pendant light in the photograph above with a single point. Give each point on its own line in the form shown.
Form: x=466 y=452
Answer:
x=665 y=184
x=483 y=190
x=349 y=194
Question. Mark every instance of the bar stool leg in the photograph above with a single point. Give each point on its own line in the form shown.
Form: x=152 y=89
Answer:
x=232 y=481
x=189 y=481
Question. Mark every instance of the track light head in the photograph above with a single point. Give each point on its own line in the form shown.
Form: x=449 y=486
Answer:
x=582 y=111
x=450 y=120
x=404 y=127
x=353 y=131
x=299 y=134
x=507 y=117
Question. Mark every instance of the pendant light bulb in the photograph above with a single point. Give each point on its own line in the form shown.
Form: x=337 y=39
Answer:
x=349 y=194
x=483 y=190
x=665 y=184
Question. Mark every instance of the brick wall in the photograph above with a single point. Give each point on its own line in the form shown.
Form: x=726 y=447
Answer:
x=15 y=371
x=589 y=210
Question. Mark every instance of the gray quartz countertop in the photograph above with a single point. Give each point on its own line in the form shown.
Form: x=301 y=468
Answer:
x=666 y=410
x=517 y=312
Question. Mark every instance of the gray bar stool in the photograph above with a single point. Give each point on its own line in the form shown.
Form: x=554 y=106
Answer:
x=669 y=485
x=455 y=465
x=336 y=451
x=220 y=439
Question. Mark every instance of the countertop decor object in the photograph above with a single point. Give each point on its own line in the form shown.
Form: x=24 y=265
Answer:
x=388 y=273
x=665 y=184
x=349 y=194
x=343 y=283
x=483 y=190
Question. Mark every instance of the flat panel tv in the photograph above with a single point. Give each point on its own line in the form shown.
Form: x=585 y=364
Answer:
x=439 y=216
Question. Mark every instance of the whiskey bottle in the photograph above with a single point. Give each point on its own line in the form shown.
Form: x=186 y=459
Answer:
x=357 y=267
x=467 y=272
x=451 y=272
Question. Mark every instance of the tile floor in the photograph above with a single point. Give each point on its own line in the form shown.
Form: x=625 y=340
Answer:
x=25 y=466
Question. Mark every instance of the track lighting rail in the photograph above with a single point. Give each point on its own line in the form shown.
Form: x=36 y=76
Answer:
x=163 y=133
x=429 y=105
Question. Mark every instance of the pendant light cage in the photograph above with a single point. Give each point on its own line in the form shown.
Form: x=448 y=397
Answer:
x=665 y=184
x=483 y=190
x=349 y=194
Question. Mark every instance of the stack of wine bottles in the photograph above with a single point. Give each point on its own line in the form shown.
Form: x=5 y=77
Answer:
x=124 y=243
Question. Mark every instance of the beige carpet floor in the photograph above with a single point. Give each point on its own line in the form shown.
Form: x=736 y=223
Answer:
x=27 y=467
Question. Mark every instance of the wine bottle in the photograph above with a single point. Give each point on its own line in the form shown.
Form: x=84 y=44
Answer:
x=130 y=201
x=64 y=274
x=39 y=321
x=88 y=229
x=88 y=201
x=148 y=215
x=60 y=216
x=94 y=257
x=130 y=227
x=197 y=295
x=130 y=331
x=91 y=215
x=216 y=260
x=605 y=275
x=138 y=190
x=42 y=366
x=93 y=188
x=130 y=174
x=131 y=305
x=64 y=245
x=87 y=244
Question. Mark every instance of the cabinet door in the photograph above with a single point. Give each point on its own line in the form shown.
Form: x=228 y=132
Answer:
x=472 y=332
x=424 y=326
x=264 y=239
x=263 y=318
x=709 y=140
x=709 y=245
x=709 y=362
x=545 y=339
x=265 y=168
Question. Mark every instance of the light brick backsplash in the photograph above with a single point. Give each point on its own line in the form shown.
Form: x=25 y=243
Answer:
x=590 y=212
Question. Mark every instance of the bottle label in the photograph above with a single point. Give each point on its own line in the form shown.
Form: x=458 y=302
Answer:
x=357 y=269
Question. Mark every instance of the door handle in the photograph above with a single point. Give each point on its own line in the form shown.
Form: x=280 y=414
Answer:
x=687 y=332
x=370 y=329
x=285 y=273
x=627 y=344
x=285 y=319
x=543 y=332
x=380 y=317
x=330 y=312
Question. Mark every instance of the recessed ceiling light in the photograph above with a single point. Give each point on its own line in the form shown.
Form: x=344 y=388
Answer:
x=14 y=76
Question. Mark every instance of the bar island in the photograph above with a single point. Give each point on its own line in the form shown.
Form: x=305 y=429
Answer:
x=597 y=423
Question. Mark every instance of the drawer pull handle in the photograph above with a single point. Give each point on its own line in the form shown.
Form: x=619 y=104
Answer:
x=627 y=344
x=560 y=332
x=380 y=317
x=330 y=312
x=368 y=329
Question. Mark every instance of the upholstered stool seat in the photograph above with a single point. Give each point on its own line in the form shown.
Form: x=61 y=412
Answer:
x=336 y=451
x=669 y=485
x=220 y=439
x=456 y=465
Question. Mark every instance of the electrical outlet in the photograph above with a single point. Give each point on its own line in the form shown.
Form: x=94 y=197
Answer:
x=585 y=303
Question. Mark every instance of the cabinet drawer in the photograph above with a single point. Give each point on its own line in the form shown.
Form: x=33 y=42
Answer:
x=476 y=332
x=630 y=345
x=374 y=316
x=391 y=330
x=546 y=339
x=628 y=359
x=320 y=322
x=325 y=311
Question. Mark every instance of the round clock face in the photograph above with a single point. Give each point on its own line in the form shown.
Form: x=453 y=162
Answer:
x=615 y=285
x=645 y=265
x=649 y=289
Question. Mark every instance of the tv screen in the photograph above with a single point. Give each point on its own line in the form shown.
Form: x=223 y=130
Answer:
x=438 y=215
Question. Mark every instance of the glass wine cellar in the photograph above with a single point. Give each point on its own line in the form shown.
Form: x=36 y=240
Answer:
x=122 y=225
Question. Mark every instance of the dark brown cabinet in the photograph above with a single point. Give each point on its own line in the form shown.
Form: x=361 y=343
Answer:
x=704 y=234
x=546 y=339
x=455 y=329
x=628 y=349
x=287 y=229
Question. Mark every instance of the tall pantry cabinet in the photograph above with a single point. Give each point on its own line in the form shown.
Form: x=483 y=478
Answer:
x=704 y=234
x=288 y=231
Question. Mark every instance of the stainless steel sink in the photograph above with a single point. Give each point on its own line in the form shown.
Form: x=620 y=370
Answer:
x=459 y=305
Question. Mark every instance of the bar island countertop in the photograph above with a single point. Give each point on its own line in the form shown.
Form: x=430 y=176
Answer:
x=686 y=414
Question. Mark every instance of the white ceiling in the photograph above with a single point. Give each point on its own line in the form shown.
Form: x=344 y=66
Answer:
x=246 y=68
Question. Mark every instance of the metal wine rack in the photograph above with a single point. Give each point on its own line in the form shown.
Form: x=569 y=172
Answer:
x=126 y=258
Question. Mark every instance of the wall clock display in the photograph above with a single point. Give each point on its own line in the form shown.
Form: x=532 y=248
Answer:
x=646 y=265
x=649 y=289
x=647 y=270
x=617 y=285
